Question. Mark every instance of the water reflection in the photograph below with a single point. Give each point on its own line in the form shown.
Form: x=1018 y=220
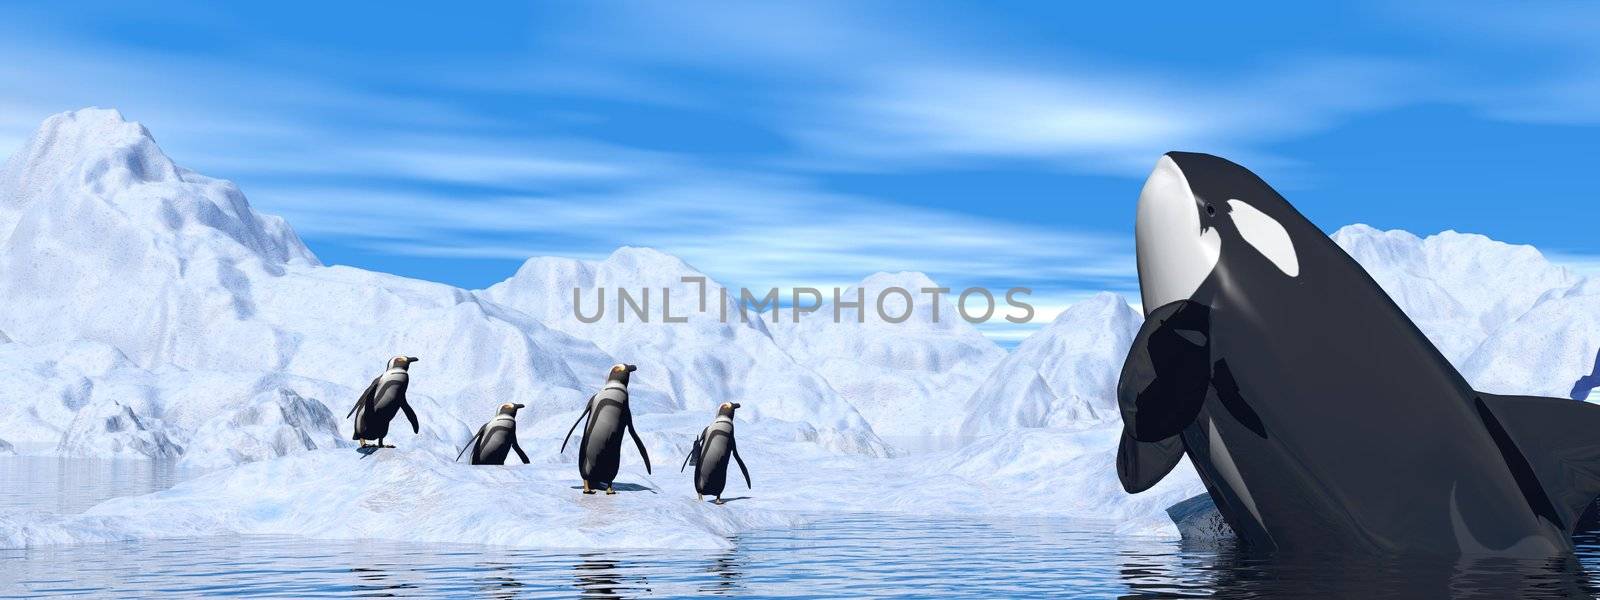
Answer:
x=836 y=556
x=498 y=581
x=725 y=571
x=850 y=557
x=64 y=485
x=378 y=582
x=598 y=576
x=1229 y=572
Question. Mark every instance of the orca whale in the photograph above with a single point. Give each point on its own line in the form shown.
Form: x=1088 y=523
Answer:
x=1316 y=413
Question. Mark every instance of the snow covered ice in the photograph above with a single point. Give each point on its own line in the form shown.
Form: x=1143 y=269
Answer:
x=151 y=313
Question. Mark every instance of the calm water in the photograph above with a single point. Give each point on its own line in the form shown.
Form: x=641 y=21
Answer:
x=876 y=555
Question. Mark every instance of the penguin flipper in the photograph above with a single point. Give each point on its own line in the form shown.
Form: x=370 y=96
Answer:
x=365 y=397
x=734 y=446
x=472 y=442
x=638 y=442
x=693 y=451
x=520 y=453
x=586 y=408
x=1167 y=374
x=1553 y=451
x=411 y=415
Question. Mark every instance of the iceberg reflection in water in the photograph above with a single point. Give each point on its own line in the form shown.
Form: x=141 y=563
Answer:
x=842 y=555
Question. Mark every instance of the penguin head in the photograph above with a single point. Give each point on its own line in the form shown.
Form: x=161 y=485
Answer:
x=402 y=362
x=1194 y=207
x=619 y=372
x=510 y=409
x=727 y=408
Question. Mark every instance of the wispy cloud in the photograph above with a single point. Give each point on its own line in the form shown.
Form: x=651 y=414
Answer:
x=1088 y=122
x=1587 y=265
x=859 y=89
x=444 y=160
x=755 y=232
x=1542 y=60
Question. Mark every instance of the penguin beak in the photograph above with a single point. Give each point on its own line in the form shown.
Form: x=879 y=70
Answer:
x=518 y=406
x=735 y=405
x=412 y=359
x=632 y=368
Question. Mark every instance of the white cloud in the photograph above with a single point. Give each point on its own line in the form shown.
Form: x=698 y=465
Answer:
x=1085 y=121
x=755 y=232
x=1587 y=265
x=859 y=90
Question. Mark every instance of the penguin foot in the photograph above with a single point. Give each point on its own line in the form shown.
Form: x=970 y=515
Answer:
x=611 y=492
x=590 y=492
x=387 y=446
x=699 y=498
x=717 y=502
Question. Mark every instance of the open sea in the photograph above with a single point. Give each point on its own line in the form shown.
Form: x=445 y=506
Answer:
x=836 y=556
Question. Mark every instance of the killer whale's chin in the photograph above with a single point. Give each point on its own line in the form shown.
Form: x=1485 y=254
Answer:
x=1175 y=252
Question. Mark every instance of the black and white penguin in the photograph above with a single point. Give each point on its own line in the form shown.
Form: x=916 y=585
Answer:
x=496 y=439
x=378 y=405
x=710 y=453
x=1317 y=414
x=600 y=448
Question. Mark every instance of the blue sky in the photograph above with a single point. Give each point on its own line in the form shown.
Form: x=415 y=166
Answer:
x=985 y=144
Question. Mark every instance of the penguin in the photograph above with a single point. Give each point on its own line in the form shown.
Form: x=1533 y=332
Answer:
x=710 y=453
x=1319 y=417
x=600 y=448
x=383 y=398
x=496 y=439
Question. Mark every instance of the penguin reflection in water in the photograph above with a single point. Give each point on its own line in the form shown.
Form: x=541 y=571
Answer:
x=496 y=439
x=710 y=455
x=378 y=405
x=600 y=448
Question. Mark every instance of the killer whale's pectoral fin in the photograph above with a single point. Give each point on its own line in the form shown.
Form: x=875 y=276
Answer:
x=1228 y=394
x=1553 y=443
x=1164 y=382
x=1167 y=373
x=1141 y=465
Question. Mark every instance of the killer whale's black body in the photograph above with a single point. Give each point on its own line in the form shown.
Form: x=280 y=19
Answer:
x=1320 y=418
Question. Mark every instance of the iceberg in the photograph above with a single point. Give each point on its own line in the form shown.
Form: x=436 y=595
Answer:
x=167 y=309
x=152 y=313
x=909 y=379
x=1065 y=374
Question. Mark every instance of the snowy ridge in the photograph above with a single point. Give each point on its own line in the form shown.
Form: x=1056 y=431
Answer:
x=1508 y=319
x=711 y=357
x=1062 y=375
x=229 y=311
x=908 y=379
x=151 y=313
x=1458 y=288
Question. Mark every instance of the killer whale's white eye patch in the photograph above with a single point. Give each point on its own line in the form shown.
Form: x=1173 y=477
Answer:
x=1266 y=235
